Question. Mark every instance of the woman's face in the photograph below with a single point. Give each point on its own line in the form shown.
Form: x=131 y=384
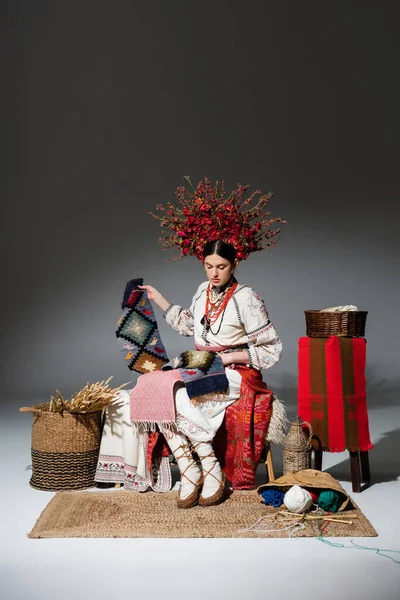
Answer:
x=218 y=269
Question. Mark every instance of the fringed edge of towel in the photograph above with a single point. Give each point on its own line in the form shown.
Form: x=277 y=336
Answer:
x=278 y=423
x=168 y=428
x=361 y=448
x=211 y=399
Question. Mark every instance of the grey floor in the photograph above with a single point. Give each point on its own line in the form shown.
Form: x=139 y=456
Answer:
x=201 y=568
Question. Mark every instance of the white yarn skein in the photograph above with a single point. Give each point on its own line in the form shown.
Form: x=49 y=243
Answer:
x=297 y=500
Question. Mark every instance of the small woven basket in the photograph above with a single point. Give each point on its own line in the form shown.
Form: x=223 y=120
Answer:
x=346 y=323
x=65 y=448
x=297 y=448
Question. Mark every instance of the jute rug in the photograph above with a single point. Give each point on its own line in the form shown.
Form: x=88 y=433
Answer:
x=122 y=514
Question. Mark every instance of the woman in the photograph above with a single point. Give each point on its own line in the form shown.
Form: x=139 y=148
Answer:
x=230 y=319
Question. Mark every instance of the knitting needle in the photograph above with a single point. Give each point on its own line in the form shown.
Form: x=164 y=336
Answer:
x=323 y=517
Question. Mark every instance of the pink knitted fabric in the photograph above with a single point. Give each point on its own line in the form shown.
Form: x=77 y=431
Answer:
x=152 y=398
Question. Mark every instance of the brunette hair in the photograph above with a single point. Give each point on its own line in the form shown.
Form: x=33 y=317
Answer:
x=221 y=248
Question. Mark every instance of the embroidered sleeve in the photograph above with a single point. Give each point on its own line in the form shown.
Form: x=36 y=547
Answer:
x=182 y=319
x=264 y=345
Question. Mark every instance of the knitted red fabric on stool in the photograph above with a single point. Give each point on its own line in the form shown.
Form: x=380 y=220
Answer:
x=332 y=391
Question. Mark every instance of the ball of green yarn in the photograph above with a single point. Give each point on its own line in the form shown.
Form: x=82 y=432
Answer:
x=330 y=500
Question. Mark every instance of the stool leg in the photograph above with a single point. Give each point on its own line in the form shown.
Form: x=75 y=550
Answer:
x=365 y=472
x=355 y=471
x=317 y=454
x=268 y=463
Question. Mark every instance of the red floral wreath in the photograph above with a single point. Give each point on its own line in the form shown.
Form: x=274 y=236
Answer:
x=208 y=213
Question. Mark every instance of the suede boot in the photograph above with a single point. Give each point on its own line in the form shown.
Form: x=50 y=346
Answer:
x=191 y=477
x=214 y=480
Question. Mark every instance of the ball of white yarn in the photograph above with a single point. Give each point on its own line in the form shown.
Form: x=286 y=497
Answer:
x=297 y=500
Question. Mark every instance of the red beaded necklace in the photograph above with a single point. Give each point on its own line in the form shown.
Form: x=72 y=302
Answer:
x=213 y=310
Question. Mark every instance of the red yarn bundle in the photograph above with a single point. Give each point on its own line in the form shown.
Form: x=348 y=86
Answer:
x=313 y=495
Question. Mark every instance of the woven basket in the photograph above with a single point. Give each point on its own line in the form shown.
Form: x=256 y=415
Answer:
x=346 y=323
x=65 y=448
x=297 y=447
x=309 y=478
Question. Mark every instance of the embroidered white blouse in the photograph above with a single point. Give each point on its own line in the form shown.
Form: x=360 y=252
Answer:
x=244 y=323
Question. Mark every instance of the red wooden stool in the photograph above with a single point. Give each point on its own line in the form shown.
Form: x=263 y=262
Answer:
x=359 y=464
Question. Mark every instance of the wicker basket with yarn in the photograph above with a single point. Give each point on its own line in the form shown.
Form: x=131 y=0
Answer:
x=297 y=447
x=340 y=323
x=65 y=448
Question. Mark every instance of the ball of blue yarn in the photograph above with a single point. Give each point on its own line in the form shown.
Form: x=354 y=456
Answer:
x=330 y=500
x=273 y=497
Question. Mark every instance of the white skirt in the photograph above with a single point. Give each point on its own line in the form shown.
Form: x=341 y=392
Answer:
x=201 y=422
x=123 y=449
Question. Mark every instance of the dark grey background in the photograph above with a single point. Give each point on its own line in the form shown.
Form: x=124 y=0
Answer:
x=106 y=105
